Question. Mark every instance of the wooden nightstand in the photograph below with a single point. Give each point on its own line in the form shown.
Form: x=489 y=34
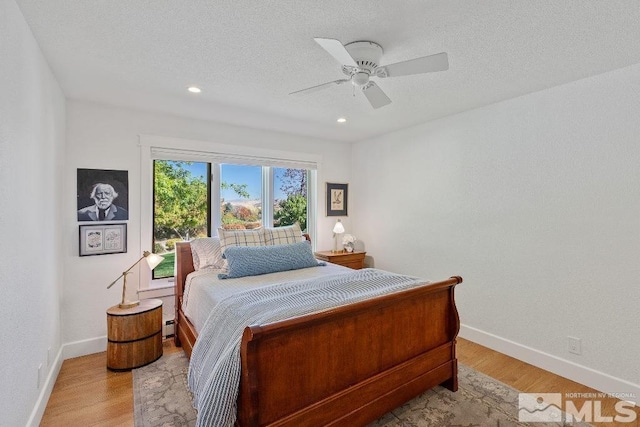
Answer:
x=353 y=259
x=134 y=335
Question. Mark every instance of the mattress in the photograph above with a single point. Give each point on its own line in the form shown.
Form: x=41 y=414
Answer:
x=203 y=289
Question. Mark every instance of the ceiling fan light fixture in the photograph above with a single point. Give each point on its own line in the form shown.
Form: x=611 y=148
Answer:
x=360 y=79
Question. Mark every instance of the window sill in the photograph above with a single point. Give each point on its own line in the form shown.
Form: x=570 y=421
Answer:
x=158 y=288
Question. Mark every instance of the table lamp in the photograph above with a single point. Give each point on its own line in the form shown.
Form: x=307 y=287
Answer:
x=152 y=260
x=337 y=230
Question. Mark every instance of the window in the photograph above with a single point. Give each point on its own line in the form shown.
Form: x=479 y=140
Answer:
x=196 y=156
x=240 y=196
x=180 y=207
x=291 y=198
x=247 y=197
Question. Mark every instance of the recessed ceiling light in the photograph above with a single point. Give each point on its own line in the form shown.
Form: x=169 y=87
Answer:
x=194 y=89
x=341 y=120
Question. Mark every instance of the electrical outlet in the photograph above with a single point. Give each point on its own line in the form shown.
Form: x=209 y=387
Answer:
x=39 y=376
x=574 y=345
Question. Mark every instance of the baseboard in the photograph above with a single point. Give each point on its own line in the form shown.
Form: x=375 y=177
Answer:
x=67 y=351
x=84 y=347
x=565 y=368
x=45 y=393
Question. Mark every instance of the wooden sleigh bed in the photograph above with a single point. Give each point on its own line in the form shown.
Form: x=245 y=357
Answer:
x=360 y=361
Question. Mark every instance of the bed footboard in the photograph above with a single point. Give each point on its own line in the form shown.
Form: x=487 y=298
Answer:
x=352 y=364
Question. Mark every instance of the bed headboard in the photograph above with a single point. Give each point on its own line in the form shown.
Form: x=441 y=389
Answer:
x=184 y=266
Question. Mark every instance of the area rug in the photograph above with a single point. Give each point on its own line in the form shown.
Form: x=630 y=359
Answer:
x=162 y=399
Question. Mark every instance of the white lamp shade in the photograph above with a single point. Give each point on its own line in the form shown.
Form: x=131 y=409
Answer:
x=153 y=260
x=338 y=228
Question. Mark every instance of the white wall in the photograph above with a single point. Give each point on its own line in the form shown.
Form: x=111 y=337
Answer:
x=32 y=135
x=103 y=137
x=535 y=201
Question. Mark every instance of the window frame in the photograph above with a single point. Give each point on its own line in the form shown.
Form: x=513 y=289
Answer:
x=166 y=148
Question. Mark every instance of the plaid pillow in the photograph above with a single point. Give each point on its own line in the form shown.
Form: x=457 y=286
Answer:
x=240 y=238
x=283 y=235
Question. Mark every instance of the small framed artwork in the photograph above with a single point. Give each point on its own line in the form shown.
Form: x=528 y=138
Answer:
x=337 y=197
x=102 y=239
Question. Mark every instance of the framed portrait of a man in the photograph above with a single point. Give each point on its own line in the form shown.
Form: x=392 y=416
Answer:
x=337 y=198
x=103 y=195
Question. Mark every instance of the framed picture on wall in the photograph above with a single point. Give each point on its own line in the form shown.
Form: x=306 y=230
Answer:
x=337 y=198
x=103 y=195
x=102 y=239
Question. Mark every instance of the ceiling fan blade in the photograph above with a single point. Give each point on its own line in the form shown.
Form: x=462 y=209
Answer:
x=337 y=50
x=377 y=98
x=425 y=64
x=319 y=87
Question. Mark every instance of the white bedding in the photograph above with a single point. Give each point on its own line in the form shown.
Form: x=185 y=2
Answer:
x=203 y=289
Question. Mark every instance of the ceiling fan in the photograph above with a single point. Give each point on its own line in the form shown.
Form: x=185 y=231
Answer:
x=360 y=62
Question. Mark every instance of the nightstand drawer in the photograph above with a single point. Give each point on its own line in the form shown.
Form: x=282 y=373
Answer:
x=355 y=264
x=130 y=327
x=353 y=260
x=134 y=354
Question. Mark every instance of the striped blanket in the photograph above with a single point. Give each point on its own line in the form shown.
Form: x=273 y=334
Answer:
x=214 y=370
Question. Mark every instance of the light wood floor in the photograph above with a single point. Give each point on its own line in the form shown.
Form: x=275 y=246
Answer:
x=87 y=394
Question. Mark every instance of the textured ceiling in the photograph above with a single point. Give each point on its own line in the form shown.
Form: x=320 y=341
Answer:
x=247 y=56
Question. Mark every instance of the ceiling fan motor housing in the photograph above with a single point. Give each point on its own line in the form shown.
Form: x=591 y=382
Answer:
x=366 y=54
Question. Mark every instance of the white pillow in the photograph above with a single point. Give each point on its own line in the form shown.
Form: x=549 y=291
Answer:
x=207 y=253
x=283 y=235
x=240 y=238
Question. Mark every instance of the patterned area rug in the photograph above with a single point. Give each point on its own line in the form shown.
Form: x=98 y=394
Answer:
x=162 y=399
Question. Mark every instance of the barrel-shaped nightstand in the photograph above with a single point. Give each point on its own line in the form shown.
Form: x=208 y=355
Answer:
x=134 y=335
